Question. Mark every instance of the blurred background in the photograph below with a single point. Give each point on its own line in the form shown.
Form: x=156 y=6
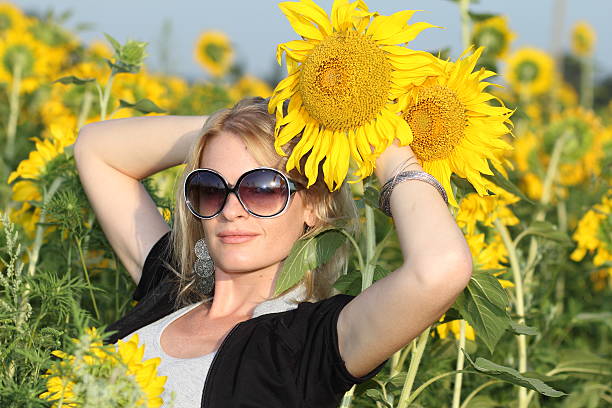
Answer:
x=255 y=27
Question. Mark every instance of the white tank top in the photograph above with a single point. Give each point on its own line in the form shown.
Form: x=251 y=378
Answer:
x=186 y=376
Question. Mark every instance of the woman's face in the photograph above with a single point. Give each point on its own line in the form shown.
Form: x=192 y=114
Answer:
x=272 y=238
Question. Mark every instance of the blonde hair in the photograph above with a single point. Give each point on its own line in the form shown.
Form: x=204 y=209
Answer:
x=250 y=120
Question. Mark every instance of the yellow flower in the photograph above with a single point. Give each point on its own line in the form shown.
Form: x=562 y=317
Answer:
x=583 y=153
x=454 y=126
x=214 y=52
x=583 y=39
x=22 y=56
x=489 y=255
x=594 y=233
x=530 y=71
x=11 y=18
x=107 y=365
x=249 y=85
x=493 y=34
x=342 y=79
x=532 y=186
x=454 y=327
x=474 y=208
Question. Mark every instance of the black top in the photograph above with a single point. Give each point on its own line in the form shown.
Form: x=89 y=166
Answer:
x=285 y=359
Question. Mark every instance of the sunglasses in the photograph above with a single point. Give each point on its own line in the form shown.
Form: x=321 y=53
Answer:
x=263 y=192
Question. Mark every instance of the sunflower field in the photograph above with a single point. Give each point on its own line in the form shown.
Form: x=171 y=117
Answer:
x=519 y=137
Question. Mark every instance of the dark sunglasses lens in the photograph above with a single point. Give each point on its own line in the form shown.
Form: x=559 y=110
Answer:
x=206 y=192
x=264 y=192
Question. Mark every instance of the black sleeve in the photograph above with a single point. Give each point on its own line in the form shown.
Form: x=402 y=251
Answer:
x=154 y=269
x=322 y=372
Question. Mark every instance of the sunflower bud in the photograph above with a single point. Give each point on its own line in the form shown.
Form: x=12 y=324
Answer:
x=128 y=57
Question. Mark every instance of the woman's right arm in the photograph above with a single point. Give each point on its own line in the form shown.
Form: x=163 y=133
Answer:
x=112 y=157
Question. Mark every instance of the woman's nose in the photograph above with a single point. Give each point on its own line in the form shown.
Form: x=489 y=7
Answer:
x=233 y=208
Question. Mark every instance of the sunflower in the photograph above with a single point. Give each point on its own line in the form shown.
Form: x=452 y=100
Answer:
x=583 y=39
x=594 y=233
x=493 y=34
x=342 y=79
x=583 y=152
x=11 y=18
x=454 y=126
x=474 y=208
x=112 y=375
x=214 y=52
x=26 y=58
x=530 y=71
x=454 y=327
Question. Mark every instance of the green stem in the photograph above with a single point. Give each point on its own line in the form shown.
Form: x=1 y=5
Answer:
x=106 y=96
x=367 y=271
x=460 y=361
x=477 y=390
x=85 y=107
x=570 y=370
x=86 y=272
x=33 y=255
x=355 y=246
x=405 y=397
x=547 y=190
x=11 y=125
x=370 y=238
x=520 y=304
x=464 y=7
x=427 y=383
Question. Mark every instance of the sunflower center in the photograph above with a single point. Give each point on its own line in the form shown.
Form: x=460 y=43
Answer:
x=214 y=51
x=5 y=22
x=345 y=81
x=492 y=39
x=527 y=71
x=437 y=121
x=19 y=56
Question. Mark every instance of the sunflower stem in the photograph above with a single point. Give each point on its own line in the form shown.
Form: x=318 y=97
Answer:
x=460 y=361
x=85 y=108
x=477 y=390
x=547 y=190
x=464 y=7
x=11 y=125
x=86 y=272
x=417 y=354
x=106 y=96
x=520 y=304
x=370 y=238
x=33 y=255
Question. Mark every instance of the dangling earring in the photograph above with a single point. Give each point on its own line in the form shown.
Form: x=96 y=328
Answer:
x=204 y=268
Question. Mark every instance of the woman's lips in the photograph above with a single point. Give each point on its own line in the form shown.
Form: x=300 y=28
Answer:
x=236 y=239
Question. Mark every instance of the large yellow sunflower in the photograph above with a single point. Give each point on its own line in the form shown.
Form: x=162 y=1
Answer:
x=493 y=34
x=454 y=126
x=214 y=52
x=342 y=79
x=530 y=71
x=11 y=18
x=583 y=39
x=117 y=374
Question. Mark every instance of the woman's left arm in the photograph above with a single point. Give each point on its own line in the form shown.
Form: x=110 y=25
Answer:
x=437 y=267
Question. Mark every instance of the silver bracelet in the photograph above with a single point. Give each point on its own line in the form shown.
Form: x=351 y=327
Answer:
x=384 y=201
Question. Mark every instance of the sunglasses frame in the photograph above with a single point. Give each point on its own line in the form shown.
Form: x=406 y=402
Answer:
x=293 y=187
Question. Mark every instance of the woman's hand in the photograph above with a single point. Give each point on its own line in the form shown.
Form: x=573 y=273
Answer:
x=394 y=159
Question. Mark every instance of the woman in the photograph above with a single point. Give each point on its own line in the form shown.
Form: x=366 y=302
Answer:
x=240 y=347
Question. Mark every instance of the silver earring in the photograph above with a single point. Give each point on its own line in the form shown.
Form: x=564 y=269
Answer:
x=204 y=268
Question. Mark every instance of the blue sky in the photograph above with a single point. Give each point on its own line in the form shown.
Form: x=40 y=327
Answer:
x=256 y=26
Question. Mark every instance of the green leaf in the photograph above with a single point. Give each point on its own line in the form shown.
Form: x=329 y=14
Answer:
x=506 y=184
x=480 y=16
x=144 y=106
x=517 y=328
x=512 y=376
x=71 y=79
x=378 y=396
x=114 y=43
x=549 y=231
x=371 y=195
x=483 y=304
x=306 y=255
x=350 y=283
